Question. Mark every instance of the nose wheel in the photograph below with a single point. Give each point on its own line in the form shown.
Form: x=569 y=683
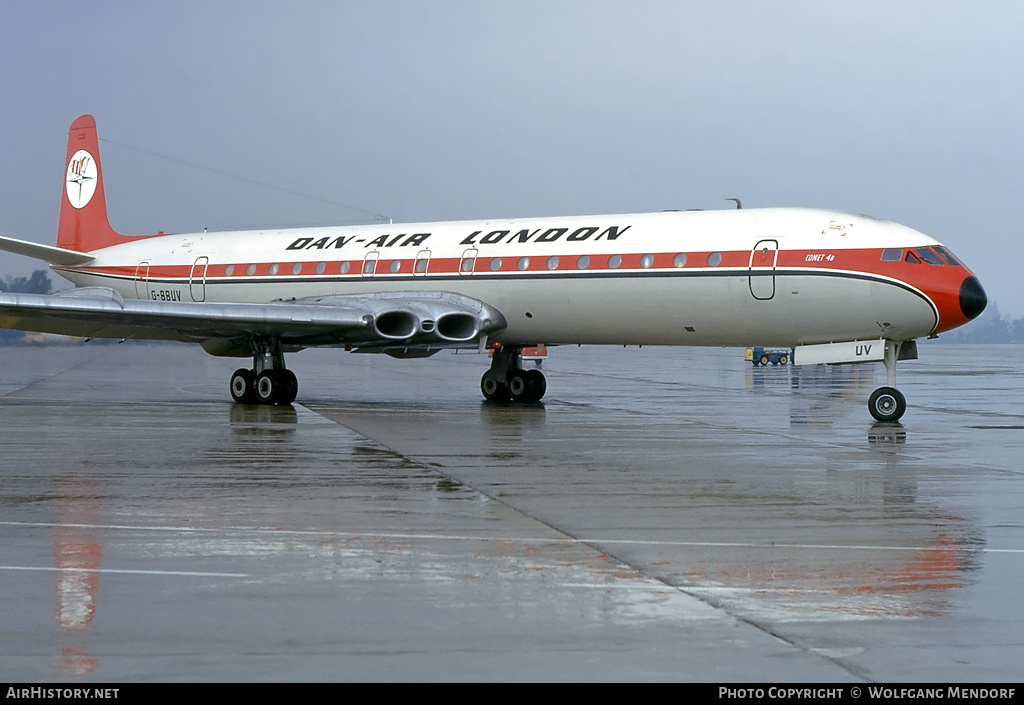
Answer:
x=887 y=404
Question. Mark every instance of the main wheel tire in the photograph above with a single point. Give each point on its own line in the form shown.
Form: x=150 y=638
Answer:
x=764 y=360
x=492 y=389
x=289 y=387
x=243 y=390
x=887 y=404
x=519 y=386
x=270 y=387
x=526 y=386
x=783 y=359
x=538 y=384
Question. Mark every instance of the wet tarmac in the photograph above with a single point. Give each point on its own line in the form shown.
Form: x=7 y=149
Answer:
x=665 y=514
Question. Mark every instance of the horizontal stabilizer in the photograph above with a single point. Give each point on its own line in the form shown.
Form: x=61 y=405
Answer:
x=47 y=253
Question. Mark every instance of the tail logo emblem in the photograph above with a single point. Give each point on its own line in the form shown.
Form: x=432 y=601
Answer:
x=81 y=179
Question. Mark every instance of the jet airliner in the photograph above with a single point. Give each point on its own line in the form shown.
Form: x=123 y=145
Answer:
x=836 y=287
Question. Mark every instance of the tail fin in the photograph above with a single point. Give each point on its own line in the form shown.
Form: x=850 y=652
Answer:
x=83 y=223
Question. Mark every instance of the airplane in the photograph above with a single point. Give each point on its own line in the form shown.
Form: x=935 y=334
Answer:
x=835 y=287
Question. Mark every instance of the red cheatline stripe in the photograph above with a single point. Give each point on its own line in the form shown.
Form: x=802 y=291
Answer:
x=868 y=261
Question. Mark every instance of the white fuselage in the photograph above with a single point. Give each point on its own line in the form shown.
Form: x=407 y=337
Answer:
x=785 y=276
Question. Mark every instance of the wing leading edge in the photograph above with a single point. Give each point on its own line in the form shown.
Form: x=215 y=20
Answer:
x=420 y=321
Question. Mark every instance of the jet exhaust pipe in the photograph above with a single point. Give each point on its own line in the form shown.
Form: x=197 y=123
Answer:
x=396 y=325
x=458 y=327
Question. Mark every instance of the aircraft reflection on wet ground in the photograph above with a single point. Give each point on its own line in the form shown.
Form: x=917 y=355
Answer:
x=659 y=516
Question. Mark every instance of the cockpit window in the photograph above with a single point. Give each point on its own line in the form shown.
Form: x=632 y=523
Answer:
x=912 y=258
x=928 y=256
x=947 y=255
x=892 y=255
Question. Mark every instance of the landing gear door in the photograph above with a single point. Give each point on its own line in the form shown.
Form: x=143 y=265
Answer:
x=762 y=269
x=142 y=280
x=197 y=279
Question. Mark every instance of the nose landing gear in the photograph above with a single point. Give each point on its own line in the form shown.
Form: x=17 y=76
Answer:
x=888 y=403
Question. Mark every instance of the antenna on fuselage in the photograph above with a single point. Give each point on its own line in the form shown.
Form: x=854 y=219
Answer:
x=738 y=204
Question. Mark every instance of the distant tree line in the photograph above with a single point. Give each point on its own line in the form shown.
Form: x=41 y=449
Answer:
x=989 y=327
x=38 y=283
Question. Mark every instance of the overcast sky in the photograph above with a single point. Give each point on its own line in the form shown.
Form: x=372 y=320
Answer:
x=910 y=111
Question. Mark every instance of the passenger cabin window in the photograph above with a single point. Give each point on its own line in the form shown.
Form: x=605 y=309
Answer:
x=892 y=255
x=928 y=256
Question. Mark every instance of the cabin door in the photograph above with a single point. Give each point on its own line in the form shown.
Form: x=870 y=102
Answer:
x=142 y=280
x=762 y=269
x=197 y=279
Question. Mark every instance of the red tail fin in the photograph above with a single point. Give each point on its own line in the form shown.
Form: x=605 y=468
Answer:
x=83 y=223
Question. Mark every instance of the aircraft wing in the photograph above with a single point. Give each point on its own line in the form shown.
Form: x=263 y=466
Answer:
x=393 y=320
x=53 y=255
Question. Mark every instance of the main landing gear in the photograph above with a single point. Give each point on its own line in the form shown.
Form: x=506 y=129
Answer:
x=888 y=403
x=268 y=382
x=507 y=380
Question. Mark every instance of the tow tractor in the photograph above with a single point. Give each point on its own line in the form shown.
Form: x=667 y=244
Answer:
x=765 y=356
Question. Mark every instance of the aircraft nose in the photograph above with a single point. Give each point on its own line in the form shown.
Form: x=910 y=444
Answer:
x=972 y=297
